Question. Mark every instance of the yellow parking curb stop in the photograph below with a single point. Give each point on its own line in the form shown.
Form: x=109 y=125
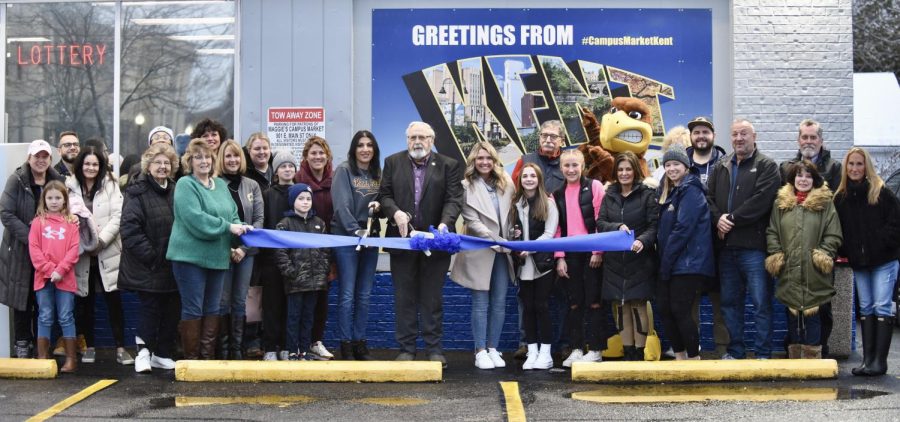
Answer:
x=307 y=371
x=705 y=370
x=28 y=368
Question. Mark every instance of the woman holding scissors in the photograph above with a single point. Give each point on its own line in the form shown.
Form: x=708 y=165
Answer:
x=353 y=191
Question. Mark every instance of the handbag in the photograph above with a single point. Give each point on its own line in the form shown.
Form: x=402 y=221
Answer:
x=652 y=348
x=543 y=261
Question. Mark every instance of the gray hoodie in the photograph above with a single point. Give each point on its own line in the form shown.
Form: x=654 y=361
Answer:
x=350 y=196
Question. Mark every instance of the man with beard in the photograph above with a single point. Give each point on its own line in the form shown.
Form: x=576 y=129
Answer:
x=68 y=147
x=703 y=151
x=742 y=188
x=811 y=146
x=703 y=154
x=420 y=188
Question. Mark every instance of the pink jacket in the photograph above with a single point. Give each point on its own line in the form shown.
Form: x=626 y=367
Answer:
x=53 y=244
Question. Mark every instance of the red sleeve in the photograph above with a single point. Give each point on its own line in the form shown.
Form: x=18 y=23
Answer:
x=68 y=262
x=516 y=170
x=40 y=261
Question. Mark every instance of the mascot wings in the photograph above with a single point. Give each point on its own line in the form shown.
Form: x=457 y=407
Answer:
x=625 y=128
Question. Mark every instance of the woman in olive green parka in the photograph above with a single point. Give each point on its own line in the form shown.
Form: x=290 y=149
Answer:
x=803 y=237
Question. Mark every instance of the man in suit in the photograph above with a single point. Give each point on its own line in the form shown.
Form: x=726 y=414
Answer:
x=419 y=188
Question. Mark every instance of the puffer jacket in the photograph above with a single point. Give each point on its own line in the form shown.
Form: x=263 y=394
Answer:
x=147 y=219
x=685 y=232
x=628 y=275
x=106 y=215
x=871 y=232
x=303 y=270
x=17 y=209
x=802 y=242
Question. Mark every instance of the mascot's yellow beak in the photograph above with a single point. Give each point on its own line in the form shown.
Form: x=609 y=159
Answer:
x=619 y=132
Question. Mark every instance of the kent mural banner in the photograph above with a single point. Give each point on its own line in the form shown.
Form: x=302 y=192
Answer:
x=497 y=74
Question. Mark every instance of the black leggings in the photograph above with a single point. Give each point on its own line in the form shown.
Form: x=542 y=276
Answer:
x=535 y=295
x=84 y=309
x=26 y=321
x=675 y=300
x=583 y=288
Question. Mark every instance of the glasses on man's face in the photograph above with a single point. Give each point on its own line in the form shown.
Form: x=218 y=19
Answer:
x=160 y=137
x=418 y=137
x=550 y=136
x=161 y=163
x=68 y=145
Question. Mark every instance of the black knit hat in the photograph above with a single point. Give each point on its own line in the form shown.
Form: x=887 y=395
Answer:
x=676 y=152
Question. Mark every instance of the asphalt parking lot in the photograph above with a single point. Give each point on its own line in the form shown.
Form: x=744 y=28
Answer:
x=466 y=393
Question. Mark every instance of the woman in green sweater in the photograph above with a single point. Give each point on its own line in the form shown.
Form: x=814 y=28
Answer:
x=200 y=247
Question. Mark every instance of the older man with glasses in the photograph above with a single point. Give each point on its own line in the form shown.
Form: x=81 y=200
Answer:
x=68 y=148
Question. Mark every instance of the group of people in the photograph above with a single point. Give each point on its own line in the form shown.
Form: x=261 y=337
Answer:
x=715 y=223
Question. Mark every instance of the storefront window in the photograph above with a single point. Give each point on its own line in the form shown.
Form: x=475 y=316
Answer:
x=59 y=70
x=176 y=68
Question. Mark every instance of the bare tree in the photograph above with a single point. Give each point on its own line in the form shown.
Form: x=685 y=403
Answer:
x=876 y=36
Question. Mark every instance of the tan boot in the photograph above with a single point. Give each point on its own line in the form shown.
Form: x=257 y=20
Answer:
x=190 y=338
x=812 y=352
x=71 y=364
x=795 y=351
x=208 y=334
x=43 y=348
x=60 y=349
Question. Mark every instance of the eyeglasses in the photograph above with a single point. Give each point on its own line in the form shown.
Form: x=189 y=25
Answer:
x=68 y=145
x=550 y=136
x=162 y=163
x=419 y=137
x=160 y=137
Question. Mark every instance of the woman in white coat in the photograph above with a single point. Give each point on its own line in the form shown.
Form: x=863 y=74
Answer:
x=98 y=269
x=488 y=192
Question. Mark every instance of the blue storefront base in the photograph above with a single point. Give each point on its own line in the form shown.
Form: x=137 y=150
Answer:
x=457 y=319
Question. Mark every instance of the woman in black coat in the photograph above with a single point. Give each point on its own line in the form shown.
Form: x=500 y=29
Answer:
x=147 y=220
x=629 y=277
x=17 y=208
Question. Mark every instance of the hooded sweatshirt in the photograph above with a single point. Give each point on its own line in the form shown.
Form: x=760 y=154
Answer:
x=53 y=244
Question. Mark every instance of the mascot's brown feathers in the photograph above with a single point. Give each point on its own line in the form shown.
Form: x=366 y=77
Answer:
x=625 y=128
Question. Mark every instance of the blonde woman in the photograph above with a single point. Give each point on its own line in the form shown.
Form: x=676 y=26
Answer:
x=488 y=193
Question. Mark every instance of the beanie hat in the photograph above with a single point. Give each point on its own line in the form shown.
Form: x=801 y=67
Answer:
x=160 y=129
x=293 y=192
x=282 y=157
x=676 y=152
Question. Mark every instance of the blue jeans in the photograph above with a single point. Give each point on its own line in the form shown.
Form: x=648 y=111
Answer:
x=200 y=289
x=875 y=289
x=298 y=328
x=489 y=306
x=50 y=299
x=234 y=288
x=805 y=329
x=356 y=276
x=743 y=271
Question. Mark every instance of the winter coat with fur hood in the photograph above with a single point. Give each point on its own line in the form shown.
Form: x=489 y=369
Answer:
x=802 y=242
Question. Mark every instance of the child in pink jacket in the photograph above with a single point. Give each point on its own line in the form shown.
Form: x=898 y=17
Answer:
x=53 y=244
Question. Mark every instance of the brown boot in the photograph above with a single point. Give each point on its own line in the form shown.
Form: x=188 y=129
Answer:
x=190 y=338
x=812 y=352
x=43 y=348
x=208 y=334
x=71 y=345
x=795 y=351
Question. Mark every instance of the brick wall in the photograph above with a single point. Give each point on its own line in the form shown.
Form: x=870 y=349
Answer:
x=793 y=59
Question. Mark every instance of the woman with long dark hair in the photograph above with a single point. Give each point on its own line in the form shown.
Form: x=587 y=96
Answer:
x=353 y=192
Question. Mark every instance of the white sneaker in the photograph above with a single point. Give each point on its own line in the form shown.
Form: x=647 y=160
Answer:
x=576 y=355
x=270 y=356
x=531 y=357
x=319 y=349
x=497 y=358
x=161 y=363
x=544 y=359
x=483 y=361
x=283 y=355
x=142 y=362
x=592 y=356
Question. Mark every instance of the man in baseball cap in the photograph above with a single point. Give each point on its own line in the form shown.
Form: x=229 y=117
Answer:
x=703 y=152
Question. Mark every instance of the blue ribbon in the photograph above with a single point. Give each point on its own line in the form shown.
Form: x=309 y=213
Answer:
x=608 y=241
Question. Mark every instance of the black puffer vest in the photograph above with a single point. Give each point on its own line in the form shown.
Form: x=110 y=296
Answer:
x=585 y=201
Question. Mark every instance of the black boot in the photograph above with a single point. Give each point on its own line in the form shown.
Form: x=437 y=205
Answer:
x=346 y=350
x=237 y=337
x=867 y=327
x=360 y=351
x=884 y=329
x=639 y=354
x=629 y=353
x=222 y=341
